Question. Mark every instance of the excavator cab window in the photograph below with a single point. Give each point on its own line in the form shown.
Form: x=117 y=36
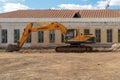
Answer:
x=70 y=33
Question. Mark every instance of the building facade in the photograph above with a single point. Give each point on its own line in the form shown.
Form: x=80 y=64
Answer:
x=104 y=24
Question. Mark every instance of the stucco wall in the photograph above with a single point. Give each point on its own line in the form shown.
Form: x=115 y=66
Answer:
x=86 y=23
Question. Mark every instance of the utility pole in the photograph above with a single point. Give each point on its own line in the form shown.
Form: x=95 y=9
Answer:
x=107 y=5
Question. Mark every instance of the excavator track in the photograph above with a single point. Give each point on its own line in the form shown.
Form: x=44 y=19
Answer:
x=74 y=48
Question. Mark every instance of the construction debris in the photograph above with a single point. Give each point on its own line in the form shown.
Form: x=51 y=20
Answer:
x=115 y=47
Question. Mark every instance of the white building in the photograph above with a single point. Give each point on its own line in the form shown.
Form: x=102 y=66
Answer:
x=104 y=24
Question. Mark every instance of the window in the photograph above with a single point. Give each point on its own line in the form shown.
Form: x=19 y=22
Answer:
x=98 y=35
x=109 y=35
x=62 y=38
x=118 y=35
x=41 y=37
x=77 y=15
x=28 y=39
x=70 y=33
x=4 y=36
x=52 y=36
x=86 y=31
x=16 y=35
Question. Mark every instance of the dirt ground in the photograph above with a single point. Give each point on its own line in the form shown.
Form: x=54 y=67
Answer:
x=49 y=65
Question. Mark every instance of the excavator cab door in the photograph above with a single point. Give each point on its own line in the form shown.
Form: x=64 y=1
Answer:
x=70 y=33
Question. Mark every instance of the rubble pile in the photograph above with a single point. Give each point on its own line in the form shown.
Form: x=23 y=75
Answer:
x=115 y=47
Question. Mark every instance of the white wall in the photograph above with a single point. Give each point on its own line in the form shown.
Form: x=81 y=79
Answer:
x=19 y=23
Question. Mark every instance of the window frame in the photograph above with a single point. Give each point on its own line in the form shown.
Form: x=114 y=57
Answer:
x=86 y=31
x=29 y=39
x=16 y=35
x=52 y=36
x=98 y=35
x=3 y=36
x=118 y=35
x=41 y=37
x=109 y=35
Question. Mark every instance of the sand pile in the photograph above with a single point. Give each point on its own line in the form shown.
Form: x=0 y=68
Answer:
x=115 y=47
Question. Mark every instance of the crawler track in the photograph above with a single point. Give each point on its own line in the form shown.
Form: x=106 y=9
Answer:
x=74 y=48
x=69 y=48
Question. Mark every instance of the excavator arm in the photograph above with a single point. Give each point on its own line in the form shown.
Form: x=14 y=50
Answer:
x=30 y=28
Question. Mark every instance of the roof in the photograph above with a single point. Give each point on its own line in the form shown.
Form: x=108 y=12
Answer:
x=100 y=13
x=61 y=14
x=39 y=14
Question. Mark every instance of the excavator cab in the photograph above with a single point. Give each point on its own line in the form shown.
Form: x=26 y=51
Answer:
x=71 y=33
x=73 y=37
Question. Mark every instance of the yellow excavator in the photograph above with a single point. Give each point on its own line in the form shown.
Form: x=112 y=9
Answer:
x=72 y=37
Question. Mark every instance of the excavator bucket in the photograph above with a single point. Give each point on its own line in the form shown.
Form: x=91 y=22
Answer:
x=11 y=48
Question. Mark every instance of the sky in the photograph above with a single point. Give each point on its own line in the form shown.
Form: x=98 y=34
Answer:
x=12 y=5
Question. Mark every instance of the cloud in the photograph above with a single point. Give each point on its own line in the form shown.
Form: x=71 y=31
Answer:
x=14 y=6
x=115 y=3
x=0 y=10
x=101 y=4
x=75 y=6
